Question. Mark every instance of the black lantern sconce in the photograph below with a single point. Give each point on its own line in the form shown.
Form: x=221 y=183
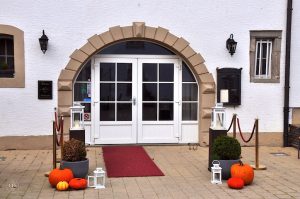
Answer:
x=43 y=42
x=231 y=45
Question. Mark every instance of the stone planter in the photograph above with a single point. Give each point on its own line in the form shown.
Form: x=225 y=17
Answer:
x=226 y=165
x=80 y=169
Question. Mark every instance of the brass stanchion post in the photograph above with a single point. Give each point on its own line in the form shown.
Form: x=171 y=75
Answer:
x=54 y=146
x=234 y=125
x=257 y=166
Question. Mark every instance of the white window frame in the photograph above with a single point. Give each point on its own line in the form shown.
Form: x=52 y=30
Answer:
x=268 y=66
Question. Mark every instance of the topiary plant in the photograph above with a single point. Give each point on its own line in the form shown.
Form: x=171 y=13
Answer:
x=74 y=150
x=226 y=148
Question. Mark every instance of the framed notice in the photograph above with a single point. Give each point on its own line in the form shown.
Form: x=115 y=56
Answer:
x=44 y=89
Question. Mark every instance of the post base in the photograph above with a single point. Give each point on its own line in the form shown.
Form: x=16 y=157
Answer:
x=260 y=167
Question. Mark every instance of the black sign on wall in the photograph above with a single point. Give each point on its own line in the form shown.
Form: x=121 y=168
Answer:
x=229 y=80
x=44 y=89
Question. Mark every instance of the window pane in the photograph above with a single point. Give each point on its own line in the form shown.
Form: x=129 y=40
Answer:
x=136 y=47
x=187 y=75
x=189 y=111
x=264 y=50
x=10 y=62
x=124 y=72
x=107 y=91
x=85 y=73
x=107 y=112
x=257 y=67
x=2 y=47
x=166 y=92
x=165 y=111
x=87 y=111
x=149 y=72
x=82 y=92
x=189 y=92
x=166 y=72
x=149 y=111
x=107 y=71
x=124 y=92
x=10 y=46
x=263 y=66
x=124 y=112
x=150 y=92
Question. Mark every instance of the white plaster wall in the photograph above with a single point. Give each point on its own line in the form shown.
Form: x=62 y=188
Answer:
x=205 y=24
x=295 y=64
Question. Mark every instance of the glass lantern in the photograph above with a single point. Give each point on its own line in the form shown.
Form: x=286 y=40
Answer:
x=77 y=119
x=218 y=117
x=98 y=179
x=216 y=172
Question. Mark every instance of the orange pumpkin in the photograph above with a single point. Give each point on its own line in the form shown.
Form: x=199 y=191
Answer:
x=62 y=186
x=78 y=183
x=235 y=183
x=243 y=171
x=57 y=175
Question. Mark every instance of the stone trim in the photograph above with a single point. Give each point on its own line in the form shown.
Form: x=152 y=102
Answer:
x=18 y=81
x=139 y=31
x=275 y=36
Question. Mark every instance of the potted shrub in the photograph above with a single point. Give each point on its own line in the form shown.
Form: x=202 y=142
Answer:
x=227 y=150
x=74 y=158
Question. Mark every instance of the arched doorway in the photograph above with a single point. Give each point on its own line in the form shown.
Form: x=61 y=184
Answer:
x=140 y=32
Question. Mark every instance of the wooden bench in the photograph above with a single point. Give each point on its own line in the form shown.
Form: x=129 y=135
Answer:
x=294 y=137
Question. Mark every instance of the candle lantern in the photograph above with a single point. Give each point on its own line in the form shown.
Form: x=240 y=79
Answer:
x=98 y=179
x=218 y=117
x=216 y=172
x=77 y=119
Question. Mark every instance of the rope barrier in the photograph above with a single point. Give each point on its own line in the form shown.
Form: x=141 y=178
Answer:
x=230 y=124
x=246 y=141
x=58 y=125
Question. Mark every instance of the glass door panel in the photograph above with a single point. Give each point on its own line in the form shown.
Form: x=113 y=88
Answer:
x=116 y=82
x=158 y=110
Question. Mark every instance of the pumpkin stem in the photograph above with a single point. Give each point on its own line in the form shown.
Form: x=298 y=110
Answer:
x=241 y=163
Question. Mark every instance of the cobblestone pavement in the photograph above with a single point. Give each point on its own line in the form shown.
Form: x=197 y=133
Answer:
x=186 y=176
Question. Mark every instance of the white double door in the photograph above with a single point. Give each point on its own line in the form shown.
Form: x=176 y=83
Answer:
x=136 y=100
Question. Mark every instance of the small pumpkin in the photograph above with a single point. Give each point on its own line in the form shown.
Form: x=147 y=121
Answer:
x=62 y=186
x=57 y=175
x=243 y=171
x=78 y=183
x=235 y=183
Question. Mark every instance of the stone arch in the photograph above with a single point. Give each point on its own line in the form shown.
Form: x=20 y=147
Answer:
x=139 y=31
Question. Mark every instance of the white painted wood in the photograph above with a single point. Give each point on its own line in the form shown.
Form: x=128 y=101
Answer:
x=114 y=132
x=137 y=131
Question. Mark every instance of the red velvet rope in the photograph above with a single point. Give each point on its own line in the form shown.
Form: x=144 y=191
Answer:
x=254 y=126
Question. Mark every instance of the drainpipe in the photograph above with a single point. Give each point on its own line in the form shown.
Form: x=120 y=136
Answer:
x=287 y=72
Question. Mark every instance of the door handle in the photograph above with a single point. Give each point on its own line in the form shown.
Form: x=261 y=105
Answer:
x=95 y=102
x=134 y=101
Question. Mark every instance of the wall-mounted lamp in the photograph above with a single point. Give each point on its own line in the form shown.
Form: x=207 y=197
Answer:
x=43 y=42
x=231 y=45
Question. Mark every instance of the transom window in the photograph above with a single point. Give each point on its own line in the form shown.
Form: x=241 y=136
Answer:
x=6 y=56
x=263 y=59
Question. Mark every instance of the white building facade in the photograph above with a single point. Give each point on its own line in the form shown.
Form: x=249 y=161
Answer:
x=145 y=70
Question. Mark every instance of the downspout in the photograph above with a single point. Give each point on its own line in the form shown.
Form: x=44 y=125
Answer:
x=287 y=73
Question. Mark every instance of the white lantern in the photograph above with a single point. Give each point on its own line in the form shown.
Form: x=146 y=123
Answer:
x=98 y=179
x=218 y=117
x=77 y=119
x=216 y=173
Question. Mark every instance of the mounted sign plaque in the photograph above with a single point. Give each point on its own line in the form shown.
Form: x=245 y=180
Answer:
x=44 y=89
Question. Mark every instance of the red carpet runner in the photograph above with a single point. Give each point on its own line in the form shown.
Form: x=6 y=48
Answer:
x=129 y=161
